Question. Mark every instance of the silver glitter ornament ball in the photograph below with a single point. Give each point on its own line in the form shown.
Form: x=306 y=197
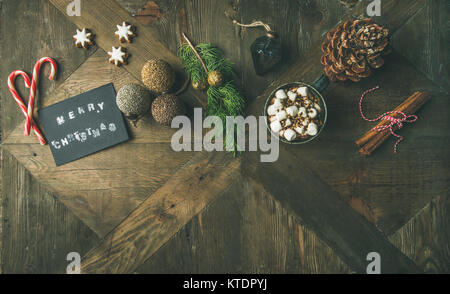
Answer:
x=133 y=100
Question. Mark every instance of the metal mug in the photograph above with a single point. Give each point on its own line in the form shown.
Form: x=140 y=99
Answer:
x=319 y=85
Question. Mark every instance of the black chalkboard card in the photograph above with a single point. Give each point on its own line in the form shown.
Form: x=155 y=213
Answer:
x=83 y=124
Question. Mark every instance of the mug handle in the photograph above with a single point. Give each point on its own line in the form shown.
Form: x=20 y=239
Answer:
x=321 y=83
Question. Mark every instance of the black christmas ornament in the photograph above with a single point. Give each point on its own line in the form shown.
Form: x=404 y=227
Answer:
x=266 y=50
x=266 y=53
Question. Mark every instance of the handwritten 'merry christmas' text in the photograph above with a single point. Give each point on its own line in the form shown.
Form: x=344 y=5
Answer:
x=81 y=110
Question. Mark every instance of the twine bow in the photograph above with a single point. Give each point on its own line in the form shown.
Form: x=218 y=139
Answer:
x=32 y=85
x=387 y=116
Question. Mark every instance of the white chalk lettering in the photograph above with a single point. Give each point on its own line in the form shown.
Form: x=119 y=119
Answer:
x=71 y=115
x=60 y=120
x=56 y=145
x=64 y=142
x=91 y=107
x=83 y=136
x=96 y=133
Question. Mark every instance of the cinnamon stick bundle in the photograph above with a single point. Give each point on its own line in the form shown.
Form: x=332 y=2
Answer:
x=373 y=139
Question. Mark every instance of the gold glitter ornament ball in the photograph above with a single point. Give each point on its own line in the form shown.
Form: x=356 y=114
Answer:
x=133 y=100
x=158 y=76
x=166 y=107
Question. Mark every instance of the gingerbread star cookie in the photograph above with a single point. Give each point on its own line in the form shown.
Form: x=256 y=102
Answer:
x=125 y=32
x=83 y=39
x=118 y=56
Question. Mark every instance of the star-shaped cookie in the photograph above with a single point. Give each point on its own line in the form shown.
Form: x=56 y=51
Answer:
x=118 y=56
x=125 y=32
x=83 y=38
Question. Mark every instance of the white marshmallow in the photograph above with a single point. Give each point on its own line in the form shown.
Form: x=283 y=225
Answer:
x=281 y=94
x=288 y=123
x=282 y=115
x=300 y=130
x=278 y=102
x=272 y=118
x=303 y=91
x=305 y=122
x=313 y=129
x=281 y=133
x=276 y=126
x=290 y=135
x=292 y=110
x=292 y=96
x=273 y=109
x=302 y=112
x=312 y=112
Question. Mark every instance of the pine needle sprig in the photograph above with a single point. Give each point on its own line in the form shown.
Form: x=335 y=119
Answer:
x=212 y=57
x=223 y=101
x=191 y=63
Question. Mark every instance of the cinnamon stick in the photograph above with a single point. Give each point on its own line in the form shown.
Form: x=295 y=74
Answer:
x=370 y=134
x=373 y=139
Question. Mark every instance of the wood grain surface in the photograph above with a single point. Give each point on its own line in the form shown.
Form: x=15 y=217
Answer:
x=163 y=214
x=230 y=232
x=246 y=223
x=41 y=230
x=303 y=194
x=425 y=238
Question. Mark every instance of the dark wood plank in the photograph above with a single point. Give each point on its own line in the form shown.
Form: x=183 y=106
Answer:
x=213 y=234
x=166 y=27
x=426 y=238
x=244 y=231
x=38 y=230
x=424 y=41
x=163 y=214
x=307 y=197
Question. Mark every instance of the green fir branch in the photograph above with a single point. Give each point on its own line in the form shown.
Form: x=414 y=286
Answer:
x=223 y=101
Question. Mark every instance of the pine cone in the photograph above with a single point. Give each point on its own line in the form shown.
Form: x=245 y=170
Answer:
x=353 y=48
x=349 y=3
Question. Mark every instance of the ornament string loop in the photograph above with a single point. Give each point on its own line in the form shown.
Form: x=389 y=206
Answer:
x=254 y=24
x=387 y=117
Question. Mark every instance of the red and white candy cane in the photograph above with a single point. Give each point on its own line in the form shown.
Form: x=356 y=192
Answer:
x=386 y=116
x=28 y=111
x=34 y=80
x=19 y=101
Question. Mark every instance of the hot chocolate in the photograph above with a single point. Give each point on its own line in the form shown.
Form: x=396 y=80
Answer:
x=294 y=113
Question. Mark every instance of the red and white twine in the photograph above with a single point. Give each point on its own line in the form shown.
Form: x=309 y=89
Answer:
x=28 y=111
x=387 y=116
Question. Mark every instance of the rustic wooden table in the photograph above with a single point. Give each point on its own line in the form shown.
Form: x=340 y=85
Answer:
x=160 y=211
